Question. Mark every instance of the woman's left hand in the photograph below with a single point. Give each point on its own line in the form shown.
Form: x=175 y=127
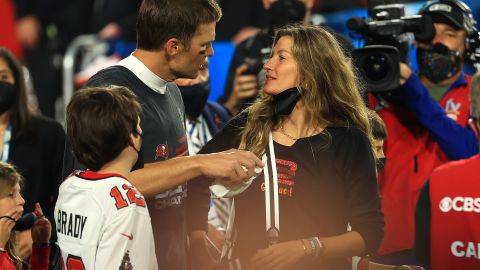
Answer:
x=278 y=256
x=41 y=229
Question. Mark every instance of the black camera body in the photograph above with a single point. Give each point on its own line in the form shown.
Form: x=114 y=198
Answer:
x=386 y=44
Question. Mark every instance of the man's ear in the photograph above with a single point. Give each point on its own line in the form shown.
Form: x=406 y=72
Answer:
x=131 y=139
x=172 y=46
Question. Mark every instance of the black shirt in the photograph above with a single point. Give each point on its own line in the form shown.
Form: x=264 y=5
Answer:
x=326 y=182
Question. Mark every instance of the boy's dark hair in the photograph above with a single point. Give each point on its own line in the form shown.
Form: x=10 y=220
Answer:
x=99 y=122
x=379 y=130
x=161 y=20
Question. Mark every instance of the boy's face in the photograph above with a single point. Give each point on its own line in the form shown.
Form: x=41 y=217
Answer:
x=190 y=60
x=378 y=144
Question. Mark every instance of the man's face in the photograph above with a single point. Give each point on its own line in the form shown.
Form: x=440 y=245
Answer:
x=190 y=60
x=447 y=35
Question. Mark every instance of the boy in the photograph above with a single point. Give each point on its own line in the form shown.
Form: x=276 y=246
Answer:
x=102 y=220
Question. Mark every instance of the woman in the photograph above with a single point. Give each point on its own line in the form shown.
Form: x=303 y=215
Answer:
x=34 y=144
x=312 y=108
x=11 y=209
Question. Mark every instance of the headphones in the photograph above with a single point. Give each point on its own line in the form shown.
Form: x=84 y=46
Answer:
x=472 y=40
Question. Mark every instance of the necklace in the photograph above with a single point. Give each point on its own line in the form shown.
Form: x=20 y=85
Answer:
x=282 y=129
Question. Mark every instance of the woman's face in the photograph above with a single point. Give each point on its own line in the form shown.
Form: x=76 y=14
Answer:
x=6 y=74
x=13 y=201
x=281 y=69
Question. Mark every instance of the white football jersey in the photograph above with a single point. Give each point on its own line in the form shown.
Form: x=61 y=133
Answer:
x=103 y=223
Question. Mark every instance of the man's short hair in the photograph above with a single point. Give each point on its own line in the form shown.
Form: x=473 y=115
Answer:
x=161 y=20
x=99 y=123
x=379 y=130
x=475 y=96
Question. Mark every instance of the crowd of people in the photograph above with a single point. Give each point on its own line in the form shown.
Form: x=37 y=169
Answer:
x=316 y=169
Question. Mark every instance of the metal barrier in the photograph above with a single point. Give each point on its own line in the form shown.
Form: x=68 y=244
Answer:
x=89 y=45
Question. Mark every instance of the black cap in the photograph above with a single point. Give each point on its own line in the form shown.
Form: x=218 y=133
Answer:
x=457 y=12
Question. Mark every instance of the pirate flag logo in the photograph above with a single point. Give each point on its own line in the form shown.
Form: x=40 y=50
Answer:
x=125 y=264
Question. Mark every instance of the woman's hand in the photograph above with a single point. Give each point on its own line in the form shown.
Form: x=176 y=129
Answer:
x=41 y=229
x=7 y=222
x=278 y=256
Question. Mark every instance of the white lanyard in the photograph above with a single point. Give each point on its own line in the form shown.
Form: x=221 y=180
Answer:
x=272 y=231
x=6 y=143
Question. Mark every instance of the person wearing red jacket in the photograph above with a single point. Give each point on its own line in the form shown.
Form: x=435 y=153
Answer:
x=447 y=215
x=426 y=119
x=11 y=209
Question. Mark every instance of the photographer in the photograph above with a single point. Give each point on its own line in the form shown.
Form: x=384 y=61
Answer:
x=427 y=121
x=241 y=85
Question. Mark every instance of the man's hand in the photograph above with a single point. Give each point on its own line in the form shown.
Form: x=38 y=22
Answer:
x=231 y=167
x=41 y=229
x=7 y=222
x=278 y=256
x=244 y=86
x=405 y=73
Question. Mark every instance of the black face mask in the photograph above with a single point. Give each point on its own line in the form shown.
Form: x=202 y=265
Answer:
x=381 y=162
x=285 y=101
x=8 y=93
x=438 y=63
x=194 y=98
x=283 y=12
x=139 y=164
x=25 y=222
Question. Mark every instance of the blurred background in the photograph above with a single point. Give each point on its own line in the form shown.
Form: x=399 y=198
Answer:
x=63 y=43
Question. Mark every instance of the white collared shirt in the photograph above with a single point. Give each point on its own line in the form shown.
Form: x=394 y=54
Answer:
x=138 y=68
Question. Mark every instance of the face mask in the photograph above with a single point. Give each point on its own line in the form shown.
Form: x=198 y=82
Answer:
x=285 y=101
x=139 y=164
x=25 y=222
x=194 y=98
x=438 y=63
x=381 y=164
x=283 y=12
x=8 y=93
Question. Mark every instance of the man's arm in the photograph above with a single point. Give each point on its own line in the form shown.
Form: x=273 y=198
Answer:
x=456 y=141
x=226 y=166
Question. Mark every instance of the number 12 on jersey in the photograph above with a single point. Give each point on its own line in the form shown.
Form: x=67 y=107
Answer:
x=133 y=197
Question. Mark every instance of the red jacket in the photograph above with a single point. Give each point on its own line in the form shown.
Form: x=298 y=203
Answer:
x=8 y=35
x=412 y=153
x=455 y=216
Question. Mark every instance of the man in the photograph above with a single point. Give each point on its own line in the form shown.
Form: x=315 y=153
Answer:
x=102 y=220
x=447 y=215
x=243 y=79
x=426 y=120
x=172 y=42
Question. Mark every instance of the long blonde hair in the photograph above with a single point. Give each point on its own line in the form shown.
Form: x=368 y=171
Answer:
x=9 y=177
x=332 y=96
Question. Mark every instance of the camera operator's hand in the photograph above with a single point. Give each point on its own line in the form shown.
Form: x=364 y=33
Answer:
x=244 y=86
x=405 y=73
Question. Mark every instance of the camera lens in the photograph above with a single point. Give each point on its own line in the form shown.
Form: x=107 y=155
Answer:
x=376 y=67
